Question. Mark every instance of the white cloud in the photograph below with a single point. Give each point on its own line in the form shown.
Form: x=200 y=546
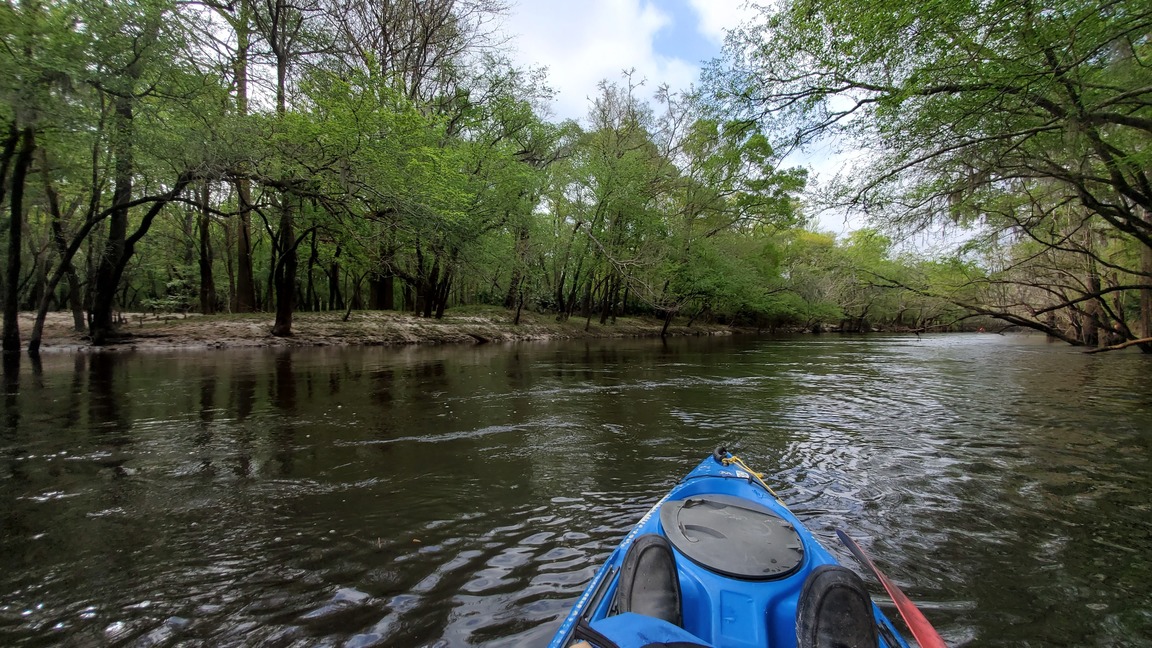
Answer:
x=586 y=42
x=717 y=16
x=582 y=43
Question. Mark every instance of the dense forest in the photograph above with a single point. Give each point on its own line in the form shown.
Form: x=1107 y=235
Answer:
x=303 y=155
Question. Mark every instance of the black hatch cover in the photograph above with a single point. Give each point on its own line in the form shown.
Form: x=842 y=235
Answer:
x=733 y=536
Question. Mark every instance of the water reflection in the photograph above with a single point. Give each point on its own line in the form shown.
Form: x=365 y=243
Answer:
x=10 y=384
x=462 y=496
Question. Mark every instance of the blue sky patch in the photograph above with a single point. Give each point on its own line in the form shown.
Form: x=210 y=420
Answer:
x=681 y=38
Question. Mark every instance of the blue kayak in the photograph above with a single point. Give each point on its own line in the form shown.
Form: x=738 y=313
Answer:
x=720 y=562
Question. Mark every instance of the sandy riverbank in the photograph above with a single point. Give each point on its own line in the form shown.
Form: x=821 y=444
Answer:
x=465 y=325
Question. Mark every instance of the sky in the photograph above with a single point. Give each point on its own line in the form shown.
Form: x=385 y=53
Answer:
x=582 y=42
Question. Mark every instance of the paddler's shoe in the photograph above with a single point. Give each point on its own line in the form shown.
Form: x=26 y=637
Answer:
x=835 y=611
x=648 y=581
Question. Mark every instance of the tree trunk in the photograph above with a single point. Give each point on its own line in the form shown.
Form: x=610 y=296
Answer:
x=310 y=289
x=68 y=252
x=1093 y=311
x=355 y=292
x=388 y=296
x=190 y=238
x=11 y=334
x=10 y=141
x=75 y=304
x=245 y=301
x=515 y=294
x=611 y=297
x=207 y=282
x=442 y=294
x=229 y=268
x=245 y=275
x=102 y=326
x=586 y=304
x=428 y=290
x=274 y=260
x=1146 y=291
x=128 y=247
x=335 y=301
x=33 y=286
x=560 y=297
x=381 y=291
x=284 y=274
x=284 y=271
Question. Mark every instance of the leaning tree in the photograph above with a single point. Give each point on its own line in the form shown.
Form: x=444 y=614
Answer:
x=1004 y=116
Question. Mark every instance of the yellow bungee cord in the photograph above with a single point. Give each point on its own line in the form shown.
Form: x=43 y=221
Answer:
x=759 y=476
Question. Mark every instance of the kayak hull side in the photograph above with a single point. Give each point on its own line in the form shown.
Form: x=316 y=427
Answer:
x=721 y=611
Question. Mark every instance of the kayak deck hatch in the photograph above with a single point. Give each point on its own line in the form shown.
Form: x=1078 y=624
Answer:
x=733 y=536
x=720 y=562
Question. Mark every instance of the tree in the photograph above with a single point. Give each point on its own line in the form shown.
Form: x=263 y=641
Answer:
x=239 y=58
x=27 y=144
x=613 y=202
x=962 y=103
x=120 y=119
x=415 y=48
x=426 y=55
x=727 y=182
x=141 y=61
x=30 y=72
x=287 y=31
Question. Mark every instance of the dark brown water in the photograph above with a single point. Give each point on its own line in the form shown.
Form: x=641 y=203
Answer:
x=462 y=496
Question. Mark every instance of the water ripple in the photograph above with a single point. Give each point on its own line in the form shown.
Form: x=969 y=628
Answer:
x=464 y=497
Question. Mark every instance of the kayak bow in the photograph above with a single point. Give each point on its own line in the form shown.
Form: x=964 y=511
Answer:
x=720 y=562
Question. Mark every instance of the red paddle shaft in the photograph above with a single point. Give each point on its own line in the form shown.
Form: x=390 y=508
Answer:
x=922 y=630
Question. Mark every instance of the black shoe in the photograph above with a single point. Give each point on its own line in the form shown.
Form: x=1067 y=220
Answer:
x=648 y=581
x=835 y=611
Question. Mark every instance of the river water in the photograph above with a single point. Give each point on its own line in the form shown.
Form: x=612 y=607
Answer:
x=462 y=496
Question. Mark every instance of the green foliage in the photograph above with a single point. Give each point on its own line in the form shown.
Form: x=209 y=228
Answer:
x=1023 y=124
x=441 y=176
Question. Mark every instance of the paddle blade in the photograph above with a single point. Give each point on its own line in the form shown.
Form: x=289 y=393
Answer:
x=922 y=630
